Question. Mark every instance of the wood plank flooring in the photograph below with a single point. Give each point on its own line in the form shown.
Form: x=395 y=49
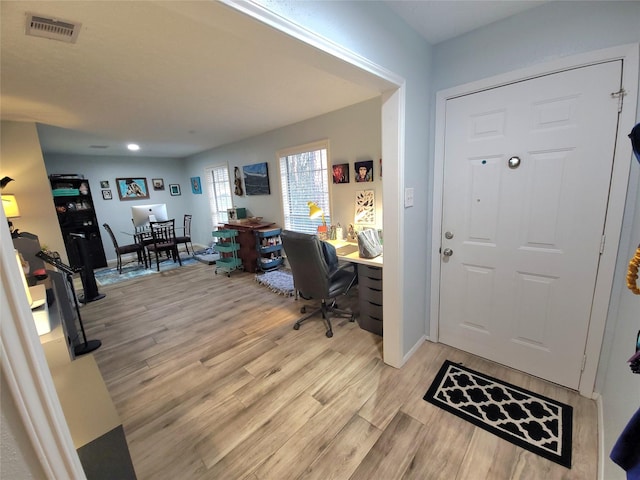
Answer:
x=211 y=382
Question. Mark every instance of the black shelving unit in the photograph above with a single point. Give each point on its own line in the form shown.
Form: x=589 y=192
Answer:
x=76 y=215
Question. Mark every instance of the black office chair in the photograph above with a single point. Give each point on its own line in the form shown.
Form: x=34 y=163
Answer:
x=136 y=248
x=164 y=240
x=317 y=275
x=186 y=236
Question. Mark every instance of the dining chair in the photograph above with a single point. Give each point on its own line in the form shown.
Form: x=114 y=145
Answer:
x=186 y=236
x=136 y=248
x=164 y=240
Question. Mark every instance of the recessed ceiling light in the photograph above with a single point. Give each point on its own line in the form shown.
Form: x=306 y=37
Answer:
x=134 y=147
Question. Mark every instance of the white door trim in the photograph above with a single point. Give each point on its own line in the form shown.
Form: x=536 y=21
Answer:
x=27 y=374
x=392 y=87
x=620 y=177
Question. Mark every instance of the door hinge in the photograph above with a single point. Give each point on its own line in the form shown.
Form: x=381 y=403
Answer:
x=620 y=96
x=584 y=363
x=602 y=242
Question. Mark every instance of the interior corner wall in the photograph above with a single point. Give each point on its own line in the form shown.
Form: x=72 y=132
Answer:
x=22 y=160
x=544 y=33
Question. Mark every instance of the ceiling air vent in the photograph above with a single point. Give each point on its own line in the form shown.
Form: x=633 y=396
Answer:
x=63 y=30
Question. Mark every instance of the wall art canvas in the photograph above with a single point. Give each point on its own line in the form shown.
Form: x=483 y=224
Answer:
x=365 y=207
x=132 y=188
x=174 y=189
x=364 y=171
x=196 y=186
x=256 y=179
x=341 y=173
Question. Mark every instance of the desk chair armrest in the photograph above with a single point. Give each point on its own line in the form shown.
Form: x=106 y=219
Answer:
x=344 y=266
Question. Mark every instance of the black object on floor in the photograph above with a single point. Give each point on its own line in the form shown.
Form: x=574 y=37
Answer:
x=88 y=345
x=531 y=421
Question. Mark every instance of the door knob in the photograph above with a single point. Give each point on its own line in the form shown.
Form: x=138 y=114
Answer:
x=448 y=235
x=447 y=252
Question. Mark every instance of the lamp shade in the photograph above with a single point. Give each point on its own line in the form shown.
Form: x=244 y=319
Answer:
x=10 y=206
x=314 y=210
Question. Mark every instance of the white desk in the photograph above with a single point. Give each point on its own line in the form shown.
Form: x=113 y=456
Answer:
x=355 y=257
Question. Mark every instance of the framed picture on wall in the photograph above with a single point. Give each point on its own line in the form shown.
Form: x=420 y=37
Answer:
x=104 y=183
x=341 y=173
x=174 y=189
x=132 y=188
x=158 y=183
x=256 y=179
x=106 y=195
x=364 y=171
x=196 y=186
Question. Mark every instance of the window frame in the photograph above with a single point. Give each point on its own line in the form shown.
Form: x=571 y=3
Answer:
x=295 y=212
x=218 y=200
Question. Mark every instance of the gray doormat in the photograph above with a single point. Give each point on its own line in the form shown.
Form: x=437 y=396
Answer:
x=208 y=256
x=278 y=281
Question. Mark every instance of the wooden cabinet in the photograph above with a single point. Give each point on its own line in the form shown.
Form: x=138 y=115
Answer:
x=76 y=215
x=248 y=252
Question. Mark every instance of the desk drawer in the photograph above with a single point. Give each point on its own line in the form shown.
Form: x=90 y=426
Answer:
x=370 y=272
x=368 y=309
x=372 y=295
x=369 y=283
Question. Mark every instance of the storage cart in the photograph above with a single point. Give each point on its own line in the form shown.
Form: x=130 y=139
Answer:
x=228 y=248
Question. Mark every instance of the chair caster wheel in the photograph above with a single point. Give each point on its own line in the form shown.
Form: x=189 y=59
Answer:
x=303 y=310
x=329 y=334
x=352 y=318
x=296 y=326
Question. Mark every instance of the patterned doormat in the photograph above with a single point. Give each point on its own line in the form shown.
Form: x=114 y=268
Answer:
x=278 y=281
x=539 y=424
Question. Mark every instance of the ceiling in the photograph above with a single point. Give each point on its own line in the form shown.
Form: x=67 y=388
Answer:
x=179 y=78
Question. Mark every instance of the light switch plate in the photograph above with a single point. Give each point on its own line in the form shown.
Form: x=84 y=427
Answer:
x=408 y=197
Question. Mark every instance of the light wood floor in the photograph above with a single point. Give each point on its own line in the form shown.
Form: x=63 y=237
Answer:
x=211 y=382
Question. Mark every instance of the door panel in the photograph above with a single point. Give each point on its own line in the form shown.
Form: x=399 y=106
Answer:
x=519 y=286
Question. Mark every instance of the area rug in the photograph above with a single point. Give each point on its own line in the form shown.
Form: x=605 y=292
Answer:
x=278 y=281
x=539 y=424
x=110 y=275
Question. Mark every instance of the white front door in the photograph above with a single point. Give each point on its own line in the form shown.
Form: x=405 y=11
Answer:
x=526 y=181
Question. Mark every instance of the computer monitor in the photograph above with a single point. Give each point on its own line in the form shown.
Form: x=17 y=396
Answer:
x=140 y=214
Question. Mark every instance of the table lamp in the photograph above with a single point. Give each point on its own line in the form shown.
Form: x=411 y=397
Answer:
x=314 y=212
x=11 y=210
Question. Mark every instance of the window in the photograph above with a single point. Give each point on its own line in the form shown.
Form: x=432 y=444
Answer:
x=304 y=177
x=219 y=189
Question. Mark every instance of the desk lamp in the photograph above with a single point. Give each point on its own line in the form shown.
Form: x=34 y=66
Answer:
x=11 y=210
x=314 y=212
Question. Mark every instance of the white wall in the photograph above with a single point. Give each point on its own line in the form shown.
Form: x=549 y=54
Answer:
x=353 y=134
x=22 y=161
x=551 y=31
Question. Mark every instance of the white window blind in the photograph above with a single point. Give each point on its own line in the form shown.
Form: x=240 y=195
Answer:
x=304 y=177
x=219 y=189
